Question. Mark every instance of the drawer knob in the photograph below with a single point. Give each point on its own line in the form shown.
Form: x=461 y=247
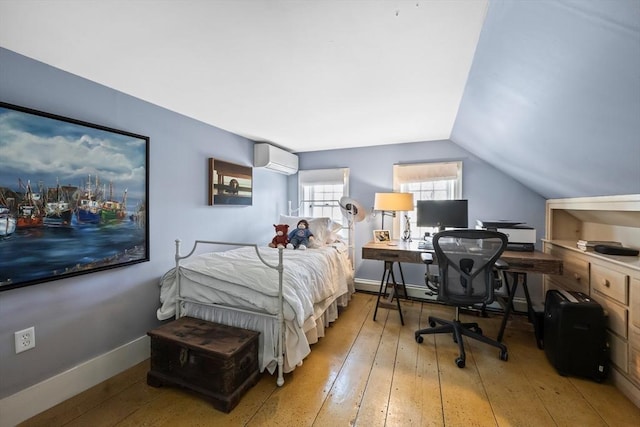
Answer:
x=576 y=276
x=606 y=283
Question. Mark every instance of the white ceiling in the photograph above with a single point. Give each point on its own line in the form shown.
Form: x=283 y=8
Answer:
x=304 y=75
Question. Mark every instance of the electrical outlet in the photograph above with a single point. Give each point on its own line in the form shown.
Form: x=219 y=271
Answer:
x=25 y=339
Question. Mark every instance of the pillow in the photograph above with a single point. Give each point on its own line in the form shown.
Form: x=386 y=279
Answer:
x=320 y=227
x=334 y=229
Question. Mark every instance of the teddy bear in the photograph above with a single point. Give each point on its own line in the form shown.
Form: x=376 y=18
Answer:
x=281 y=238
x=301 y=236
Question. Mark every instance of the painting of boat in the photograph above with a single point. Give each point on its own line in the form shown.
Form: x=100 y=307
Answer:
x=7 y=222
x=30 y=213
x=58 y=208
x=69 y=215
x=112 y=210
x=89 y=206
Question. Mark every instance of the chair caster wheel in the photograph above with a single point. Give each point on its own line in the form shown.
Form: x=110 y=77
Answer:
x=504 y=355
x=460 y=362
x=478 y=331
x=419 y=339
x=432 y=323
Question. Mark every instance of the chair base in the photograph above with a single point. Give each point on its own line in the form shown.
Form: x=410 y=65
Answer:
x=460 y=329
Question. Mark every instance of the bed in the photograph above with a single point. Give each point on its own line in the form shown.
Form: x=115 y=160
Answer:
x=289 y=296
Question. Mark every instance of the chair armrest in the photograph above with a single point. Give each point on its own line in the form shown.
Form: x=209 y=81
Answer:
x=426 y=258
x=501 y=264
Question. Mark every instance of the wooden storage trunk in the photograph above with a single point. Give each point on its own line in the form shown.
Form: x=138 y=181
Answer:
x=218 y=361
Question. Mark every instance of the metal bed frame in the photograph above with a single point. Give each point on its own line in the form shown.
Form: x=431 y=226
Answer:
x=180 y=300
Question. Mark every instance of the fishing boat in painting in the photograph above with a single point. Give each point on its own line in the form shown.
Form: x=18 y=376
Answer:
x=7 y=222
x=58 y=208
x=30 y=213
x=89 y=207
x=113 y=210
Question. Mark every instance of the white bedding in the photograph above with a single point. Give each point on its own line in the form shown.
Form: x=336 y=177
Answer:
x=313 y=281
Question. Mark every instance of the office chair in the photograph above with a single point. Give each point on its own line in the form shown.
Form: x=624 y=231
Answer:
x=467 y=262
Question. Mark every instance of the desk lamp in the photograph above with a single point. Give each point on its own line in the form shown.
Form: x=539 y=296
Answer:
x=390 y=203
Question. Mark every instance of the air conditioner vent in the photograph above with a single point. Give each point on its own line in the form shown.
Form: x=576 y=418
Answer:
x=275 y=159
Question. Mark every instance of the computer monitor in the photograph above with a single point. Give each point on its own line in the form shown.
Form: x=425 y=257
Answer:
x=442 y=213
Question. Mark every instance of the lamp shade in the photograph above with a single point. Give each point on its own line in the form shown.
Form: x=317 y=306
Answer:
x=393 y=202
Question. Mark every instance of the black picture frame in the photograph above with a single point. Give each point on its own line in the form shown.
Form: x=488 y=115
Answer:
x=230 y=183
x=73 y=197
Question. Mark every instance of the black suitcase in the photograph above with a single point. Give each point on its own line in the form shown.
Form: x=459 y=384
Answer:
x=574 y=335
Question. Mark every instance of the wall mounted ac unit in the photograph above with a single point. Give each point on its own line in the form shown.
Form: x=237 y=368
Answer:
x=275 y=159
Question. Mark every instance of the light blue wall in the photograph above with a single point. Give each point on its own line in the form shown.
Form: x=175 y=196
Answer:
x=491 y=193
x=80 y=318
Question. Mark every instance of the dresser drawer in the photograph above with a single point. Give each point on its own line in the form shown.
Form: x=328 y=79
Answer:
x=611 y=283
x=616 y=314
x=575 y=270
x=634 y=353
x=619 y=348
x=634 y=305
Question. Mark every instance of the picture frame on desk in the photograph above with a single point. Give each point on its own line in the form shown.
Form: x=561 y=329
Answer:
x=381 y=236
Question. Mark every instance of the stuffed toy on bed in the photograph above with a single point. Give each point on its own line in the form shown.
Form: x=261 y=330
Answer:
x=281 y=238
x=301 y=236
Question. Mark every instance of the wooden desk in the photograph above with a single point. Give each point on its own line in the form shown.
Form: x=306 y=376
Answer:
x=520 y=263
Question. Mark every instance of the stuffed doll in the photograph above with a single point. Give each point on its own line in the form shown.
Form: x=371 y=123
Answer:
x=281 y=239
x=301 y=236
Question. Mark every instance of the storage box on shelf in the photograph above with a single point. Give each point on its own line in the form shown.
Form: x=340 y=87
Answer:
x=613 y=281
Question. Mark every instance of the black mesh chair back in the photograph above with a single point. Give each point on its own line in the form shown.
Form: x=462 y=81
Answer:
x=466 y=260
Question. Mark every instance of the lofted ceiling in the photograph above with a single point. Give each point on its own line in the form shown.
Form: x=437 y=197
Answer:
x=304 y=75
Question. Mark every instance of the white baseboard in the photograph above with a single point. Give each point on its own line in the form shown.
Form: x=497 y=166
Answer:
x=48 y=393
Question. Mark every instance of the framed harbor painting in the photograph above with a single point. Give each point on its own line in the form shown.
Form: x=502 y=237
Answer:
x=73 y=197
x=229 y=184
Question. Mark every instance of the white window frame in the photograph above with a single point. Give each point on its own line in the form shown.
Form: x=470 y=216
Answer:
x=427 y=181
x=319 y=191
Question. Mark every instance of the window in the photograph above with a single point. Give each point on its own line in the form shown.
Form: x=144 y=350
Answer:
x=427 y=181
x=320 y=190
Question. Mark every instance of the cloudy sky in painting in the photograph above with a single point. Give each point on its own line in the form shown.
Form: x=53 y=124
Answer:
x=45 y=151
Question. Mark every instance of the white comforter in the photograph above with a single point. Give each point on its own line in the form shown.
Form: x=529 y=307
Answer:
x=309 y=278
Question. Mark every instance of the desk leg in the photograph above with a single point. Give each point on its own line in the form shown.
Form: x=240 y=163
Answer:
x=531 y=314
x=383 y=288
x=507 y=311
x=384 y=284
x=404 y=286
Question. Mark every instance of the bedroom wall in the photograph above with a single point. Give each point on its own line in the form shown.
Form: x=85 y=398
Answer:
x=491 y=193
x=80 y=318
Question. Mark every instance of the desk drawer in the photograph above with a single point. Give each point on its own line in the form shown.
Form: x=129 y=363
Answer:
x=609 y=282
x=575 y=272
x=395 y=255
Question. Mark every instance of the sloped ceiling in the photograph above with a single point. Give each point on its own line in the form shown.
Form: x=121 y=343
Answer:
x=547 y=91
x=553 y=97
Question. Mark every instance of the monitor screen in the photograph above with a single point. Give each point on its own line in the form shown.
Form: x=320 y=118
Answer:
x=442 y=213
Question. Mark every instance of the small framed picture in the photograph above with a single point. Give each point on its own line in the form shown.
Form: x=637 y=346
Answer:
x=380 y=236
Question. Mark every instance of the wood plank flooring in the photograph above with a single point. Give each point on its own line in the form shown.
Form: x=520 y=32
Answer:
x=366 y=373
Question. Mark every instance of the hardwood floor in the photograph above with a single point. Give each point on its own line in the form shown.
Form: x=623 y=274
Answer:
x=367 y=373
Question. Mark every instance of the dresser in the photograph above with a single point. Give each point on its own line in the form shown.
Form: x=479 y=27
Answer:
x=612 y=281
